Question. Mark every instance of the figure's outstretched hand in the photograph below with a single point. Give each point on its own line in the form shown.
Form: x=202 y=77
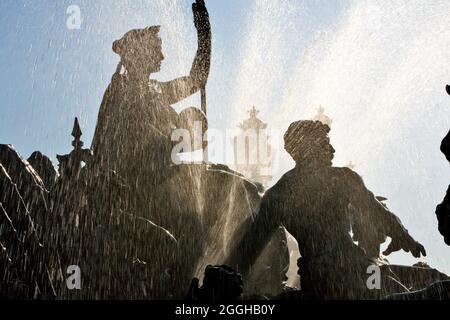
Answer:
x=201 y=16
x=406 y=243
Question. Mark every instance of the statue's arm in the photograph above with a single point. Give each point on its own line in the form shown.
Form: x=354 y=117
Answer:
x=372 y=218
x=181 y=88
x=257 y=235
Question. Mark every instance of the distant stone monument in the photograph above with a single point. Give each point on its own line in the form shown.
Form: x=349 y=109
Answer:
x=252 y=150
x=443 y=209
x=322 y=117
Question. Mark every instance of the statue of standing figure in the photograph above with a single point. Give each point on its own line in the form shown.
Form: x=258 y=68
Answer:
x=127 y=208
x=320 y=205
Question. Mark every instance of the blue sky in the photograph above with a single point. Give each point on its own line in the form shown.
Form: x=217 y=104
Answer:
x=378 y=67
x=52 y=74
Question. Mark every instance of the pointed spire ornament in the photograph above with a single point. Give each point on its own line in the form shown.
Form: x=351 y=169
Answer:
x=77 y=133
x=70 y=165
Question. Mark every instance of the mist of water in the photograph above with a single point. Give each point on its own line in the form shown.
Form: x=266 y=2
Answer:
x=380 y=72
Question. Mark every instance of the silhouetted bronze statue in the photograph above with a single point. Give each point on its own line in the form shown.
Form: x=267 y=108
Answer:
x=320 y=205
x=135 y=119
x=443 y=209
x=133 y=138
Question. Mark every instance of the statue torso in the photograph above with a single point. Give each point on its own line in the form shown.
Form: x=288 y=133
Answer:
x=133 y=126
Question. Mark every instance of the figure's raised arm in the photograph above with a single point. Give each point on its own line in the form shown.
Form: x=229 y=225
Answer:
x=181 y=88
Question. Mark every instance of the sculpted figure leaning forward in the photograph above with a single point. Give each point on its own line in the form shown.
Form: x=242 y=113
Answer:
x=320 y=205
x=135 y=119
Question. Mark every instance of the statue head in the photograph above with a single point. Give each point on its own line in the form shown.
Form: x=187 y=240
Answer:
x=308 y=141
x=140 y=50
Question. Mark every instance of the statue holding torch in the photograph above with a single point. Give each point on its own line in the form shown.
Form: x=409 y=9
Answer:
x=135 y=119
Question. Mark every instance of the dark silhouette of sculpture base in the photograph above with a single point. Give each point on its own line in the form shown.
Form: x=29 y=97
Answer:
x=220 y=283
